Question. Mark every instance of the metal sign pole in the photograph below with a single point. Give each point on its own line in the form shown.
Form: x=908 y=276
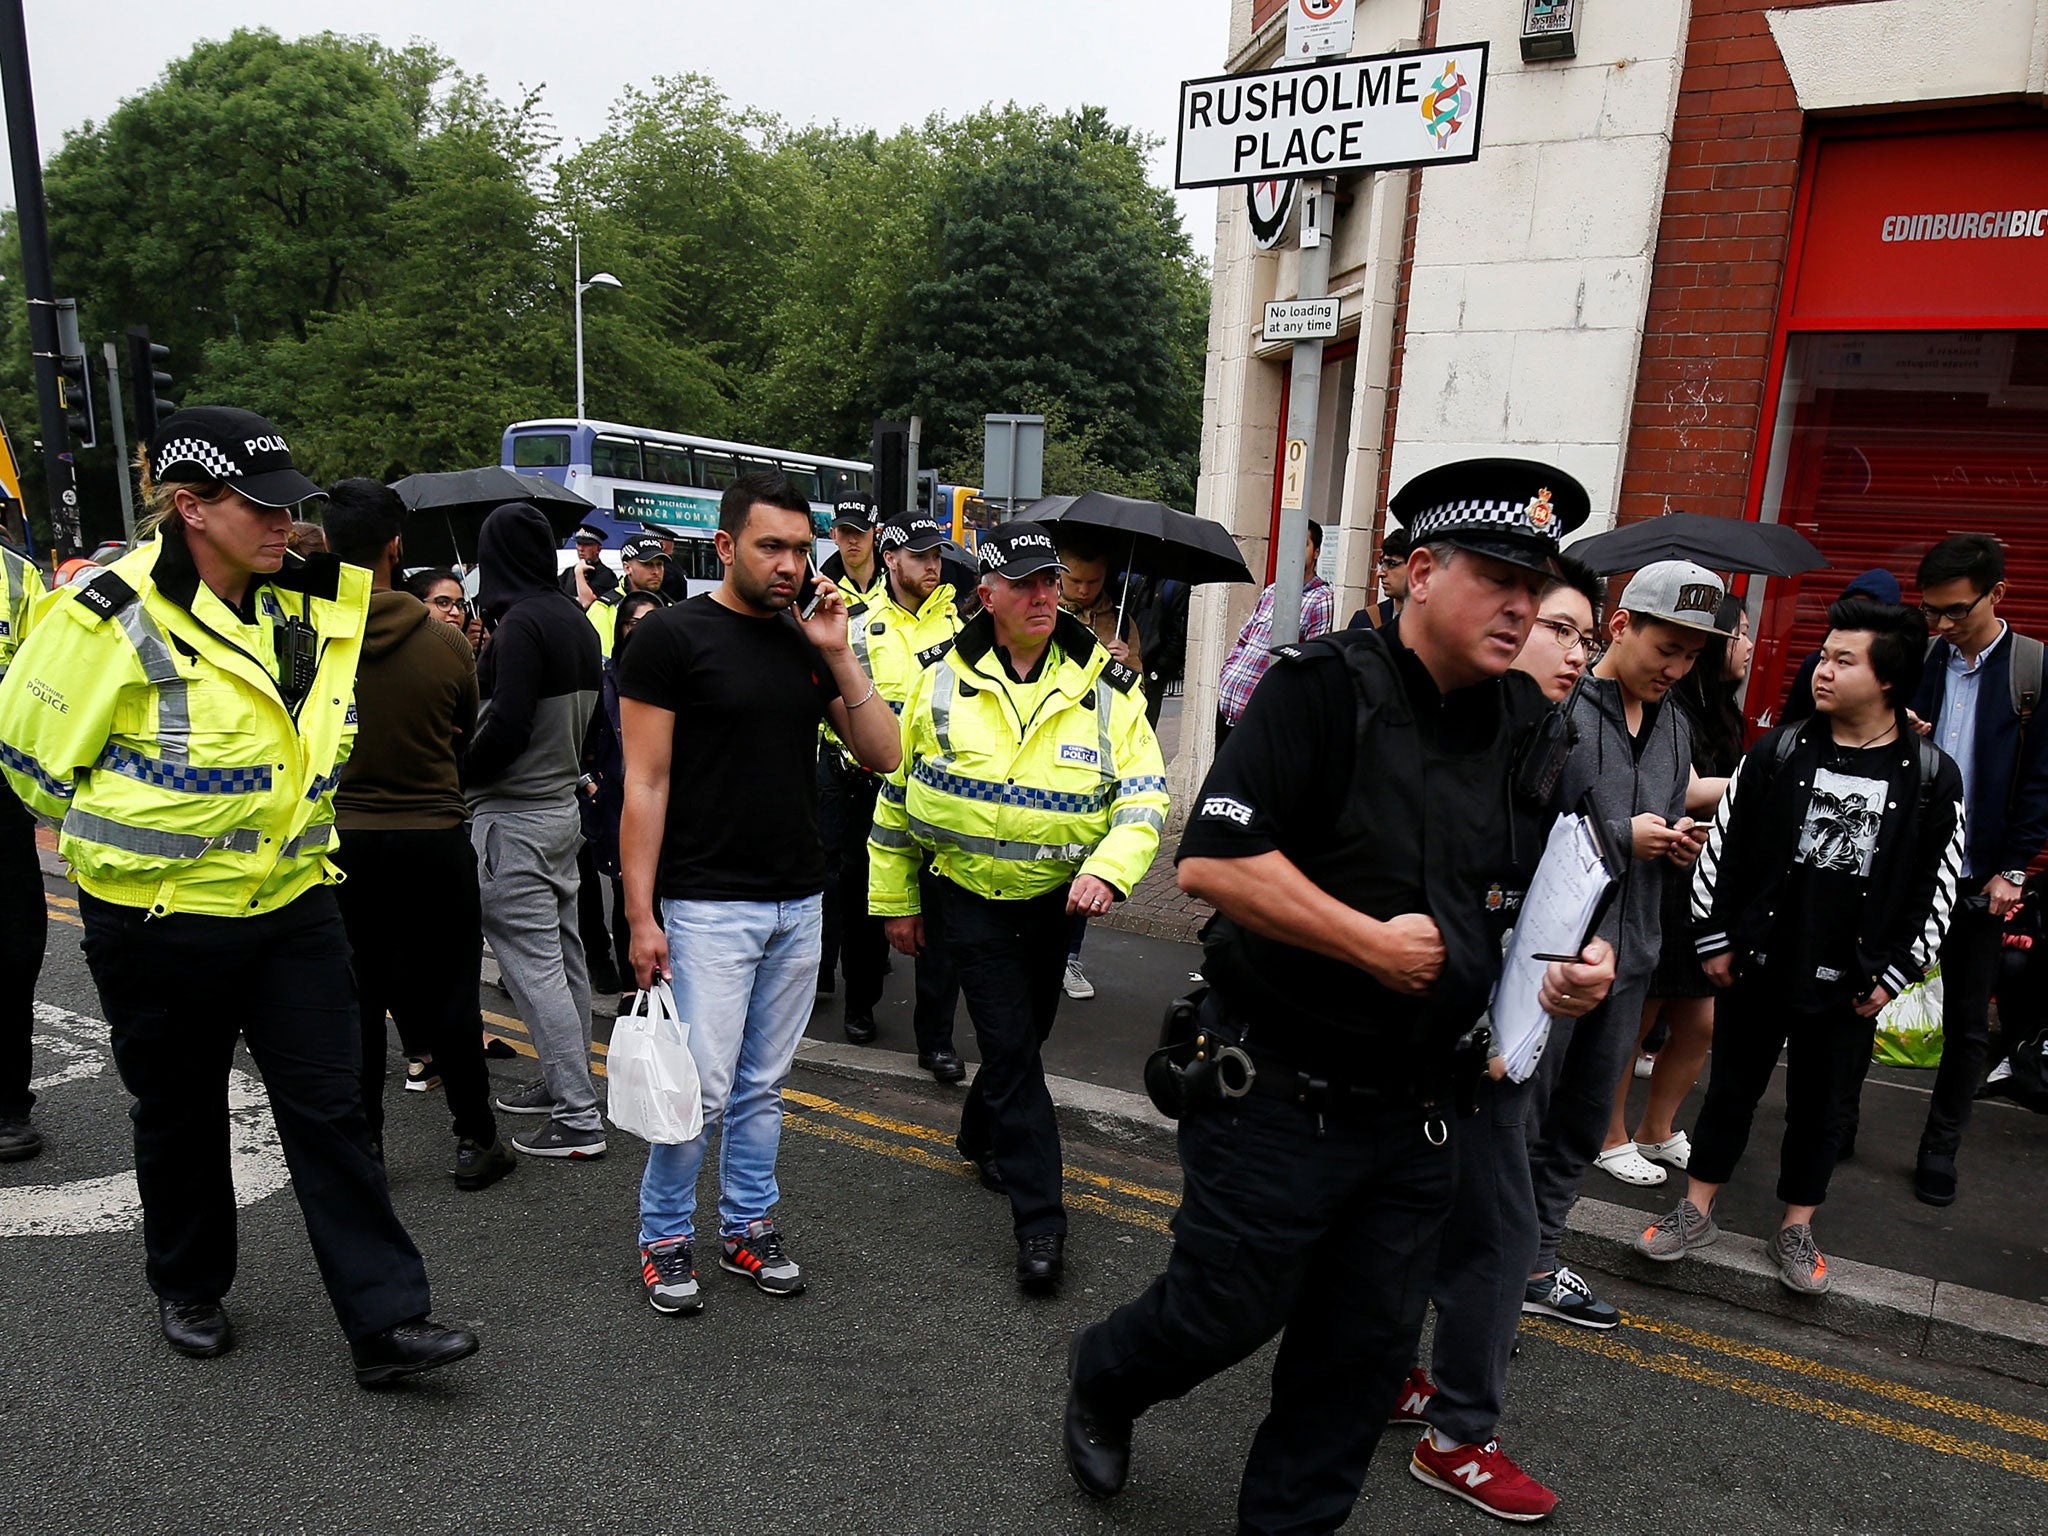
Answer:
x=113 y=355
x=1304 y=407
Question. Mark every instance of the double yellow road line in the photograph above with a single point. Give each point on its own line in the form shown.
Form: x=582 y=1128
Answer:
x=1666 y=1348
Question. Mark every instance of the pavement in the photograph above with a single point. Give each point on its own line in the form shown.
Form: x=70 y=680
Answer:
x=1968 y=1283
x=910 y=1390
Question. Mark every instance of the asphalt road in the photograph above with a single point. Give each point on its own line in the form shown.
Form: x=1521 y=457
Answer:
x=909 y=1390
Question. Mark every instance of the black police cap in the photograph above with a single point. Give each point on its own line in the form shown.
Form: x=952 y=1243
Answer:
x=1514 y=510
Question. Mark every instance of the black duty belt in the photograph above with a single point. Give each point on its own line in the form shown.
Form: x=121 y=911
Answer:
x=1276 y=1079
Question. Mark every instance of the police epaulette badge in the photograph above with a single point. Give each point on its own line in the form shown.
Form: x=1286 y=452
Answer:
x=932 y=655
x=105 y=594
x=1287 y=652
x=1121 y=677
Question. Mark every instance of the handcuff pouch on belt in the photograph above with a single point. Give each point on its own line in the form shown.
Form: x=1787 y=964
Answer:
x=1468 y=1067
x=1198 y=1062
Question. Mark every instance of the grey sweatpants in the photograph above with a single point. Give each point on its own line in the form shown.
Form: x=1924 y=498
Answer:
x=1573 y=1101
x=526 y=868
x=1482 y=1268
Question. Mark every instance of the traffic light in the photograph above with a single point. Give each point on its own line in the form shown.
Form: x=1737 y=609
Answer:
x=891 y=455
x=145 y=367
x=74 y=380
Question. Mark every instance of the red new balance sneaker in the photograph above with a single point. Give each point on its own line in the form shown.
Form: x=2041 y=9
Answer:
x=1414 y=1397
x=1483 y=1475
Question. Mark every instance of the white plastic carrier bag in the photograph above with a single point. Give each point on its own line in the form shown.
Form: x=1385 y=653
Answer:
x=651 y=1077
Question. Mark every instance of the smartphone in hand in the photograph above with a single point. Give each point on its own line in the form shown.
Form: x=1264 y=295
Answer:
x=815 y=594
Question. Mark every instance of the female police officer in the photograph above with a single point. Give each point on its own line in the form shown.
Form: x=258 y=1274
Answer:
x=182 y=716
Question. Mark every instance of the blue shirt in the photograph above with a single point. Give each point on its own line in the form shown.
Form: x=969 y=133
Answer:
x=1956 y=731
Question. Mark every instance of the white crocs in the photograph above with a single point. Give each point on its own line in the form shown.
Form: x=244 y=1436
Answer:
x=1630 y=1166
x=1675 y=1153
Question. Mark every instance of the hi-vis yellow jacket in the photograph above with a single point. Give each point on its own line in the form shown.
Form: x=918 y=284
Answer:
x=138 y=720
x=1013 y=805
x=21 y=586
x=895 y=645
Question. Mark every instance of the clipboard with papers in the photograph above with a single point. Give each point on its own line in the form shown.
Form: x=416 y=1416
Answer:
x=1575 y=882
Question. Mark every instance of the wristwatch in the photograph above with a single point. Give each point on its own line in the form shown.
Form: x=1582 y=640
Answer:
x=2013 y=876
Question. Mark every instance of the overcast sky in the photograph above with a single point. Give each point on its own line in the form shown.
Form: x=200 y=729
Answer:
x=867 y=63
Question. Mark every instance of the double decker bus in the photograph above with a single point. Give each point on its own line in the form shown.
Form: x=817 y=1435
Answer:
x=641 y=477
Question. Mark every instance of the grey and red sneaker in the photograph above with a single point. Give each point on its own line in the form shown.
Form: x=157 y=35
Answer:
x=1414 y=1397
x=1674 y=1236
x=1800 y=1265
x=668 y=1271
x=1485 y=1476
x=757 y=1253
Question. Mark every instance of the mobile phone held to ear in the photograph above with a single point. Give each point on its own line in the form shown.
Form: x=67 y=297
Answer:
x=817 y=593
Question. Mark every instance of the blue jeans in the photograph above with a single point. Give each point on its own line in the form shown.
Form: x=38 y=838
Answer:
x=743 y=974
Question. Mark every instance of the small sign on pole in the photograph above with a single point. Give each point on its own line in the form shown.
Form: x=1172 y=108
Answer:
x=1013 y=459
x=1318 y=28
x=1301 y=319
x=1294 y=475
x=1365 y=114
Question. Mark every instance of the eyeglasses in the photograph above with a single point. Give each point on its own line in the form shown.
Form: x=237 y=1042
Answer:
x=1388 y=562
x=1955 y=613
x=1570 y=637
x=446 y=604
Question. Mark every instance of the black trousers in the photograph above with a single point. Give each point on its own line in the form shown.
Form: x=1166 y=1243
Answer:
x=415 y=926
x=590 y=924
x=1970 y=957
x=24 y=929
x=845 y=813
x=938 y=977
x=1327 y=1233
x=1011 y=956
x=846 y=809
x=1827 y=1051
x=177 y=991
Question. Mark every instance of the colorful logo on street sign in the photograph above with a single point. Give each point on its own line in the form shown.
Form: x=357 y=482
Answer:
x=1446 y=104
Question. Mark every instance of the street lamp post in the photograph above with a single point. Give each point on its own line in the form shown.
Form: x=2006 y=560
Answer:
x=597 y=280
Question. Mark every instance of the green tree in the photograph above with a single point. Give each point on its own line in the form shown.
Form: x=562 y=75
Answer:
x=681 y=201
x=1059 y=279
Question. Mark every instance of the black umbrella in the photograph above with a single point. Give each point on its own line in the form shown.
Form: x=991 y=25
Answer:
x=459 y=500
x=1163 y=543
x=1718 y=543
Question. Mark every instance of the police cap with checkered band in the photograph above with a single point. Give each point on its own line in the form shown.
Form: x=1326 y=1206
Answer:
x=1017 y=550
x=912 y=531
x=217 y=444
x=1515 y=510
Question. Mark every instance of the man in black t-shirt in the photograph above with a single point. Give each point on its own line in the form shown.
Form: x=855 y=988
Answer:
x=720 y=701
x=1364 y=836
x=1824 y=891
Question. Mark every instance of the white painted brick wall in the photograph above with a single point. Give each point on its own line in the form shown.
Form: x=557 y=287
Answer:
x=1532 y=265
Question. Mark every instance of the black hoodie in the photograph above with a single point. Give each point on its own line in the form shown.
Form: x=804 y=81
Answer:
x=538 y=676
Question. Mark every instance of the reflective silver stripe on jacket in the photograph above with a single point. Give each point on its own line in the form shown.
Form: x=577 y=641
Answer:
x=890 y=837
x=1105 y=700
x=1126 y=815
x=996 y=848
x=942 y=707
x=173 y=709
x=309 y=841
x=150 y=842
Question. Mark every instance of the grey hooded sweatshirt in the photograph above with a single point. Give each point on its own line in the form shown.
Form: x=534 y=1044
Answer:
x=539 y=674
x=1605 y=777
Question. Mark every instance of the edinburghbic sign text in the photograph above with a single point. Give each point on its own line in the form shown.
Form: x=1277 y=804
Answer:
x=1350 y=115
